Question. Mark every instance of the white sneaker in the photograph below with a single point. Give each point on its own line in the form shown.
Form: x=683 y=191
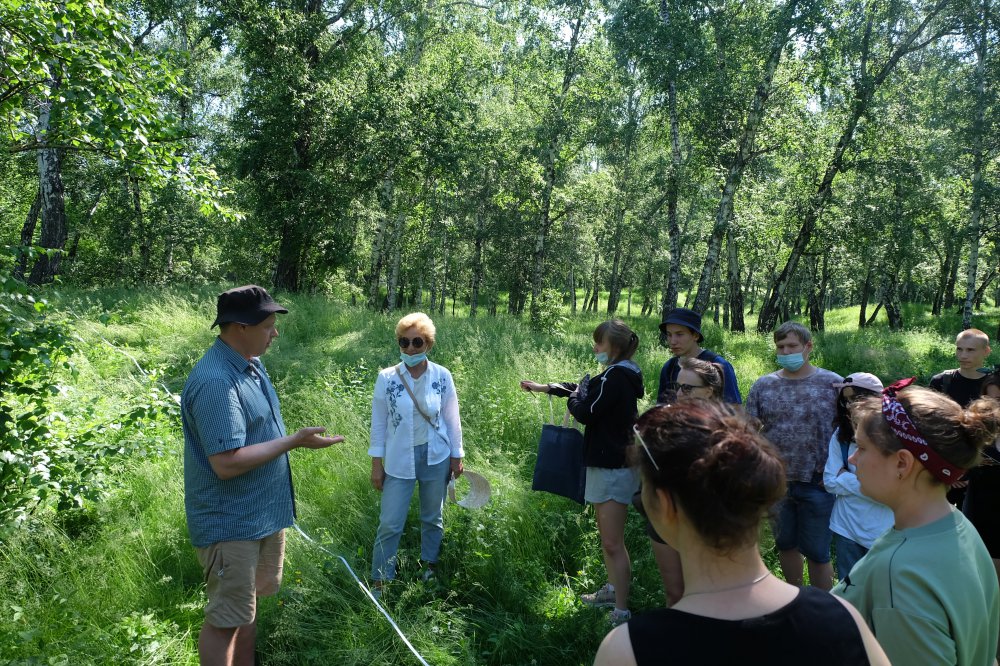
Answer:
x=617 y=617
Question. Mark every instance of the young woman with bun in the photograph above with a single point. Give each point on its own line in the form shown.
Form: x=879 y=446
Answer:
x=708 y=480
x=927 y=587
x=696 y=379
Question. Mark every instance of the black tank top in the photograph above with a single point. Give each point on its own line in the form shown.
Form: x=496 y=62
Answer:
x=814 y=629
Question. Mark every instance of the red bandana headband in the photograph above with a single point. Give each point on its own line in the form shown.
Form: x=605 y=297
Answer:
x=906 y=432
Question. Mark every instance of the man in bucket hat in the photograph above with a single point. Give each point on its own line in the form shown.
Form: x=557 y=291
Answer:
x=237 y=480
x=680 y=331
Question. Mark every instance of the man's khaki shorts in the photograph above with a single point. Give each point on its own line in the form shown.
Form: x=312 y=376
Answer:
x=236 y=573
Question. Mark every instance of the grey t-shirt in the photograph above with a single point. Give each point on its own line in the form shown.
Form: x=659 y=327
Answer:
x=798 y=419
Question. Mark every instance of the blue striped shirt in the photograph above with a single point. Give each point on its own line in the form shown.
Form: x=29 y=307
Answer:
x=228 y=402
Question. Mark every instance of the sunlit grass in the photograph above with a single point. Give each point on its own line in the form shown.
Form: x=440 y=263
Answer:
x=119 y=581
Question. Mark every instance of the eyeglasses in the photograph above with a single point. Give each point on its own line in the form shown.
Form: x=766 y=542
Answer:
x=684 y=388
x=418 y=342
x=635 y=429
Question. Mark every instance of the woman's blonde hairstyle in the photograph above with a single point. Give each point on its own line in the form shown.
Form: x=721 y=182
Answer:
x=419 y=321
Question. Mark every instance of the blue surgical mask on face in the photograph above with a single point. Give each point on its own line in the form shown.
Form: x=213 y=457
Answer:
x=413 y=360
x=602 y=357
x=791 y=362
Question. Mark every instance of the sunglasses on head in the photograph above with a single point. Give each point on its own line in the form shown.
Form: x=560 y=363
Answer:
x=683 y=388
x=417 y=342
x=638 y=437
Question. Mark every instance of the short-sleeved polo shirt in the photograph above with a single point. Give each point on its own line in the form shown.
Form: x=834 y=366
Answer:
x=228 y=402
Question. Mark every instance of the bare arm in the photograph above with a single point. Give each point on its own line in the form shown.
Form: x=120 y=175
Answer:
x=616 y=649
x=234 y=462
x=378 y=474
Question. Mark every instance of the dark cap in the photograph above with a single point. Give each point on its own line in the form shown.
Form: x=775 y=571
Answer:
x=248 y=305
x=683 y=317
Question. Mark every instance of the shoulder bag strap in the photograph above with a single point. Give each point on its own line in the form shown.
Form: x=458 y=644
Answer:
x=416 y=404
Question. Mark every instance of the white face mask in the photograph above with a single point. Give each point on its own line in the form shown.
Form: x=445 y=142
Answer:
x=413 y=360
x=791 y=362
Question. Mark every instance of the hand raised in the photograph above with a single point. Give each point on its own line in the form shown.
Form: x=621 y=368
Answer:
x=312 y=438
x=533 y=386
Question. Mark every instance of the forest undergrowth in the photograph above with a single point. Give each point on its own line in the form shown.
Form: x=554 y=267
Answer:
x=115 y=580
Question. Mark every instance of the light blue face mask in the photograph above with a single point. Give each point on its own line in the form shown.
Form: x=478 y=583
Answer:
x=791 y=362
x=602 y=357
x=413 y=360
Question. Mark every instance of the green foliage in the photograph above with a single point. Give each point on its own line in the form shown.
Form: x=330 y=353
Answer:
x=548 y=316
x=77 y=62
x=32 y=348
x=510 y=573
x=52 y=454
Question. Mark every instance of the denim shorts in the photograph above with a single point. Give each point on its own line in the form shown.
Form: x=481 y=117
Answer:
x=616 y=485
x=802 y=521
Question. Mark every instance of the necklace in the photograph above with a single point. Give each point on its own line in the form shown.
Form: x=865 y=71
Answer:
x=734 y=587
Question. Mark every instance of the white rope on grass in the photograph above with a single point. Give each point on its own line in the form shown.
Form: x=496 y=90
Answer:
x=368 y=592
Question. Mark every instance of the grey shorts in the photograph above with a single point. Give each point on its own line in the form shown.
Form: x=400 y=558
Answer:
x=617 y=485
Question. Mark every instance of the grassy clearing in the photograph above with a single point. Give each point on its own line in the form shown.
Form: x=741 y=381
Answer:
x=119 y=583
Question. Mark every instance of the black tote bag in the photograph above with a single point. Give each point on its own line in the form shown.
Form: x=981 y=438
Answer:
x=560 y=468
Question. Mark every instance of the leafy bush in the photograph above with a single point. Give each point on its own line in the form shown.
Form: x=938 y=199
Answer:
x=48 y=455
x=548 y=315
x=32 y=348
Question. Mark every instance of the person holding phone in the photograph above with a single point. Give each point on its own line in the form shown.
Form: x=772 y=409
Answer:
x=607 y=405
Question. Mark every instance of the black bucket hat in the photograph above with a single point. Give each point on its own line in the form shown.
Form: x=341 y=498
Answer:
x=683 y=317
x=248 y=305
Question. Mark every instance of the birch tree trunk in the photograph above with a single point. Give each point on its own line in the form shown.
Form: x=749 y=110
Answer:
x=397 y=251
x=53 y=201
x=378 y=243
x=865 y=292
x=614 y=287
x=477 y=265
x=28 y=235
x=673 y=277
x=864 y=89
x=145 y=237
x=735 y=284
x=978 y=159
x=550 y=157
x=745 y=153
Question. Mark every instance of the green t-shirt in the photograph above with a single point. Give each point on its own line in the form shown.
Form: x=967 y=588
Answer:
x=929 y=594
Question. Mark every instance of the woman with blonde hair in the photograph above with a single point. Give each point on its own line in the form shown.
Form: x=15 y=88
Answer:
x=416 y=438
x=927 y=587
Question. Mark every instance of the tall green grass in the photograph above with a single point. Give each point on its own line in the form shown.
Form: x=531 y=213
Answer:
x=119 y=583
